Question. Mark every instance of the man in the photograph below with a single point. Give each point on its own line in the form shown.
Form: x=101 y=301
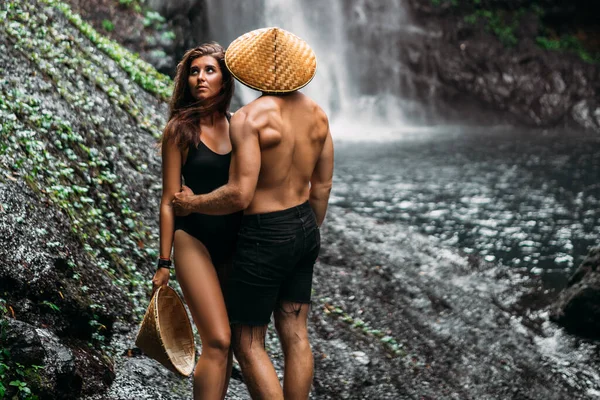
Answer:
x=281 y=175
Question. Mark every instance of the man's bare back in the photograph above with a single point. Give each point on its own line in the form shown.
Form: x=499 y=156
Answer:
x=296 y=152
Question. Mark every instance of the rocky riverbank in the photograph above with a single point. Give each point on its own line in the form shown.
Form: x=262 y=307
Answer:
x=413 y=320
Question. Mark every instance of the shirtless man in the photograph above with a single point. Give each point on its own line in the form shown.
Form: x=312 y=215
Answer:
x=281 y=175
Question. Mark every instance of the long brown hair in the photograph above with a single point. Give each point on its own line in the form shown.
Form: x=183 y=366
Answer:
x=185 y=112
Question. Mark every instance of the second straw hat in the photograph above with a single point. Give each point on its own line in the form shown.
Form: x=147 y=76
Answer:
x=271 y=60
x=166 y=332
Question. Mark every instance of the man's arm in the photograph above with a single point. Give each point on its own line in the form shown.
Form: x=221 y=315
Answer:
x=237 y=194
x=321 y=180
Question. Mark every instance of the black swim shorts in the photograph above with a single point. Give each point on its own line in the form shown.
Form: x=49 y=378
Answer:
x=273 y=263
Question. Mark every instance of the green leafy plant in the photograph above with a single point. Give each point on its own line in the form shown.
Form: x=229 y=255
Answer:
x=17 y=377
x=568 y=43
x=363 y=326
x=152 y=18
x=24 y=390
x=52 y=306
x=3 y=376
x=496 y=22
x=140 y=71
x=132 y=4
x=169 y=35
x=108 y=25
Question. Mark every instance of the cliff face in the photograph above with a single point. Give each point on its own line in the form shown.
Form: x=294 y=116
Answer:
x=160 y=31
x=78 y=196
x=539 y=63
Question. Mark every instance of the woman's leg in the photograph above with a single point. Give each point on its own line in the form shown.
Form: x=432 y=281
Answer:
x=200 y=285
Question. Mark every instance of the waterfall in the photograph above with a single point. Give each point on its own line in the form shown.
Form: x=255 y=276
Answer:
x=361 y=81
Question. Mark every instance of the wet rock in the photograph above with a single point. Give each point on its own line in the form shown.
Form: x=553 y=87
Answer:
x=23 y=342
x=578 y=307
x=361 y=357
x=171 y=9
x=161 y=61
x=582 y=113
x=557 y=82
x=35 y=278
x=30 y=346
x=187 y=19
x=59 y=364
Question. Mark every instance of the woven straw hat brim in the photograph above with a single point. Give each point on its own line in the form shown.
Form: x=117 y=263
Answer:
x=165 y=333
x=271 y=60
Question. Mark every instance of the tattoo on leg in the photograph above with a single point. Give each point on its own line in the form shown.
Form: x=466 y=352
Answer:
x=292 y=308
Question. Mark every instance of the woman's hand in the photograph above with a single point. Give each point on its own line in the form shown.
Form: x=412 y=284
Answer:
x=161 y=277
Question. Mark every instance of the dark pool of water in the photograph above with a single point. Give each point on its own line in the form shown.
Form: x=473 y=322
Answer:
x=527 y=199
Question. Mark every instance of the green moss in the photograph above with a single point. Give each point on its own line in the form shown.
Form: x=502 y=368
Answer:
x=499 y=22
x=75 y=59
x=390 y=343
x=569 y=43
x=140 y=71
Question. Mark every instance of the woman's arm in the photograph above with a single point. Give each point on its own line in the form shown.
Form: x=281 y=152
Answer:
x=171 y=178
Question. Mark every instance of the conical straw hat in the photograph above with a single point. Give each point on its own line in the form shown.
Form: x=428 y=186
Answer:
x=271 y=60
x=165 y=334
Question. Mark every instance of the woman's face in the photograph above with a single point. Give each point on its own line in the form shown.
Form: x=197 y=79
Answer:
x=205 y=78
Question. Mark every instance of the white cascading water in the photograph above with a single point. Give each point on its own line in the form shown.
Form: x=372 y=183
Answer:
x=348 y=85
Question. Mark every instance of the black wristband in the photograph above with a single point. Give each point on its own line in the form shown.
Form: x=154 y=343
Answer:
x=163 y=263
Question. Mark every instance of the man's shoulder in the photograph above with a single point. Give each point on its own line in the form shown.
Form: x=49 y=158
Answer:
x=314 y=108
x=256 y=114
x=264 y=104
x=256 y=107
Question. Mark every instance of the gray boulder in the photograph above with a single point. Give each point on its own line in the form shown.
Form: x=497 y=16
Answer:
x=31 y=346
x=578 y=307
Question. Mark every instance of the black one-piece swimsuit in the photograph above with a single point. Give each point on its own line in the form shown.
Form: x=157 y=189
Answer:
x=203 y=172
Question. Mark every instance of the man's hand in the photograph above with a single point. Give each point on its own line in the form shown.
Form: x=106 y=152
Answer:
x=181 y=203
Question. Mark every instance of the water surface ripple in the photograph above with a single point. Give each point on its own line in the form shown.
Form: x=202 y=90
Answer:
x=525 y=199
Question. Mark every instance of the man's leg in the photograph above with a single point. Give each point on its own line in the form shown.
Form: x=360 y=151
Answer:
x=291 y=324
x=258 y=371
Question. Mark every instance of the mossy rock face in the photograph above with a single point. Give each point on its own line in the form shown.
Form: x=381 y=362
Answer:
x=535 y=62
x=79 y=182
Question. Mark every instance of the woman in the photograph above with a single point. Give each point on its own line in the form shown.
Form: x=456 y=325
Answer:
x=196 y=144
